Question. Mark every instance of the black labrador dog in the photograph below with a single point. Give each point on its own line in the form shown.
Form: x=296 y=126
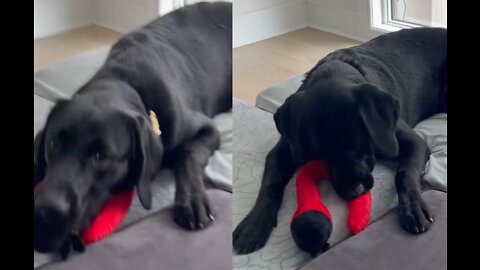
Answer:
x=102 y=141
x=354 y=104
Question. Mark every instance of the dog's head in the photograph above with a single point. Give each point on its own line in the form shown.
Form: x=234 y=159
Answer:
x=90 y=148
x=341 y=124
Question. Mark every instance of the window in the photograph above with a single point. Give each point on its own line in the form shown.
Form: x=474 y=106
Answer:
x=391 y=15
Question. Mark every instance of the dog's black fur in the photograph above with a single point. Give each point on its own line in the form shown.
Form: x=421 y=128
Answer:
x=101 y=141
x=356 y=103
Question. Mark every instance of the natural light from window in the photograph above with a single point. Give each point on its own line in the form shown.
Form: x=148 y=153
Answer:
x=419 y=12
x=393 y=15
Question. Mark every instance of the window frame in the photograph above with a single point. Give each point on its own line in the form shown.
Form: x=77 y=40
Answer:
x=381 y=18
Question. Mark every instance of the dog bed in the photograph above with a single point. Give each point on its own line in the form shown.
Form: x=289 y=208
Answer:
x=157 y=242
x=385 y=245
x=255 y=134
x=62 y=80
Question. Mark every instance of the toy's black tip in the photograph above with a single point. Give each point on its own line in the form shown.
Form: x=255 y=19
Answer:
x=311 y=231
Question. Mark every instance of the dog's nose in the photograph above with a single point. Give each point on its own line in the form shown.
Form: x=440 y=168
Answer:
x=51 y=203
x=53 y=197
x=48 y=215
x=51 y=216
x=360 y=189
x=353 y=192
x=51 y=211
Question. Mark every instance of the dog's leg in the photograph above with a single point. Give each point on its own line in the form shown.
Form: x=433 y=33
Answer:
x=192 y=209
x=414 y=153
x=252 y=233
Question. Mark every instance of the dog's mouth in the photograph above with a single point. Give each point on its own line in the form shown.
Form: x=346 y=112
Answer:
x=47 y=241
x=55 y=235
x=351 y=185
x=355 y=192
x=54 y=230
x=352 y=193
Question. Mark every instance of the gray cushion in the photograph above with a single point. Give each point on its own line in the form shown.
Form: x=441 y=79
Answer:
x=41 y=108
x=61 y=80
x=434 y=132
x=158 y=243
x=385 y=245
x=274 y=96
x=255 y=134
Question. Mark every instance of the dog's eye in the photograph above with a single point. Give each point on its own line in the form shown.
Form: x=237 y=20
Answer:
x=53 y=146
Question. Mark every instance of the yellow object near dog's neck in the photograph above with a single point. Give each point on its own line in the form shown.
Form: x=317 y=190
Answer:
x=155 y=124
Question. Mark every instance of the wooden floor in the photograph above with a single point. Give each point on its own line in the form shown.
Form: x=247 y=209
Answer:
x=50 y=50
x=259 y=65
x=255 y=66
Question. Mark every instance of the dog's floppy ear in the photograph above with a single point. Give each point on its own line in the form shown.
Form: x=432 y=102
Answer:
x=147 y=157
x=39 y=163
x=285 y=120
x=380 y=112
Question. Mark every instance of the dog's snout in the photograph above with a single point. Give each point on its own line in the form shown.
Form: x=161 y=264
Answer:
x=360 y=189
x=354 y=192
x=54 y=208
x=50 y=228
x=50 y=202
x=51 y=212
x=48 y=215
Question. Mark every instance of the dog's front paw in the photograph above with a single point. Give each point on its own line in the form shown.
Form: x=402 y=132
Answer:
x=65 y=250
x=414 y=215
x=77 y=243
x=253 y=232
x=73 y=242
x=193 y=212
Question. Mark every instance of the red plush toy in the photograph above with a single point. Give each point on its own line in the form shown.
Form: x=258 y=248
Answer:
x=109 y=218
x=311 y=224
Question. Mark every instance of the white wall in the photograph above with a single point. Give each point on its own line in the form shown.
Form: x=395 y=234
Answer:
x=127 y=15
x=254 y=20
x=244 y=6
x=439 y=13
x=55 y=16
x=124 y=15
x=348 y=18
x=51 y=17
